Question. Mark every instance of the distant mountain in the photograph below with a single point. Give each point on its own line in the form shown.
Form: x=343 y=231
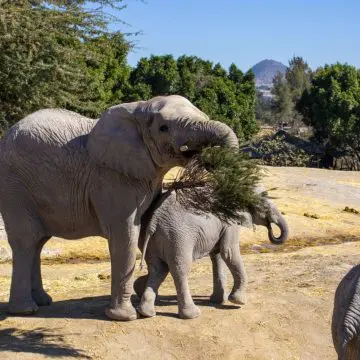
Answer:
x=266 y=70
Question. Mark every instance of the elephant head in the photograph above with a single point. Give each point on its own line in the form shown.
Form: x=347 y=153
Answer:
x=267 y=216
x=141 y=139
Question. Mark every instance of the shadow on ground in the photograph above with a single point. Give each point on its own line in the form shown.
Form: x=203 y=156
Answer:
x=297 y=243
x=93 y=307
x=37 y=341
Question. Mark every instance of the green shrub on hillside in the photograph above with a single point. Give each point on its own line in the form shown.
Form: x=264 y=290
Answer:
x=277 y=152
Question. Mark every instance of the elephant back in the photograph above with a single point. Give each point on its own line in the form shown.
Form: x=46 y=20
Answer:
x=45 y=131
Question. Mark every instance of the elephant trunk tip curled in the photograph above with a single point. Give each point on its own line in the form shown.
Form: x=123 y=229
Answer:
x=284 y=232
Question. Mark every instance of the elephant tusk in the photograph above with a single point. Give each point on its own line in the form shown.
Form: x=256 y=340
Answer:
x=184 y=148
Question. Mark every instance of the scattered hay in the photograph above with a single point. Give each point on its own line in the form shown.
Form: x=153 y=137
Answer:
x=312 y=216
x=105 y=275
x=351 y=210
x=80 y=278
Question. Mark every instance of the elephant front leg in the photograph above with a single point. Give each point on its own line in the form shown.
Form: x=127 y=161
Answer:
x=219 y=295
x=122 y=246
x=21 y=301
x=158 y=271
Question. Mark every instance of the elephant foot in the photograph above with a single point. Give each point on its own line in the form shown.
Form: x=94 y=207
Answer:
x=190 y=312
x=218 y=298
x=22 y=308
x=41 y=297
x=238 y=298
x=140 y=285
x=121 y=313
x=146 y=309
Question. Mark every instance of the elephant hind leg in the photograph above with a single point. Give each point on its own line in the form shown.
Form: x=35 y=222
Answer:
x=230 y=253
x=180 y=272
x=38 y=293
x=158 y=271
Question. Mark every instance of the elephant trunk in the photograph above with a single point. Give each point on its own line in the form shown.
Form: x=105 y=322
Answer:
x=284 y=231
x=221 y=134
x=207 y=133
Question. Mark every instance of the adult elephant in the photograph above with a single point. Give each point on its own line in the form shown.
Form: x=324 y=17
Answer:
x=62 y=174
x=345 y=324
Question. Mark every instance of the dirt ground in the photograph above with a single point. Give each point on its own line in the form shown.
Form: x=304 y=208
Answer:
x=289 y=296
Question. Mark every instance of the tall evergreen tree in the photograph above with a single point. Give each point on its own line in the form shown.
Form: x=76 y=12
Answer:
x=44 y=53
x=283 y=105
x=298 y=76
x=332 y=106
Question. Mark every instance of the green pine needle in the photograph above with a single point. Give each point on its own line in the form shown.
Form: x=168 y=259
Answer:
x=221 y=181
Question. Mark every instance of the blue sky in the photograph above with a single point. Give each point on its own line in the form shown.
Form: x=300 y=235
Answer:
x=245 y=32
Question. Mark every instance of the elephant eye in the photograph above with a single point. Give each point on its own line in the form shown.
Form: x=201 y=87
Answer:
x=163 y=128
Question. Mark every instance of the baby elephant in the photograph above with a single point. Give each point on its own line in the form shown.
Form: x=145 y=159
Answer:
x=346 y=316
x=176 y=237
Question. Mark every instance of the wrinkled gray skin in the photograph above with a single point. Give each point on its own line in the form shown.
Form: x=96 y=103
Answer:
x=346 y=316
x=172 y=238
x=65 y=175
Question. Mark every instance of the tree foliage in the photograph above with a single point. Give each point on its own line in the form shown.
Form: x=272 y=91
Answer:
x=107 y=73
x=59 y=53
x=45 y=47
x=332 y=106
x=228 y=96
x=264 y=109
x=288 y=89
x=158 y=73
x=298 y=77
x=283 y=104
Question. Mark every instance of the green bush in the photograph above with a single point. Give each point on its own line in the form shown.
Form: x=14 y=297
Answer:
x=277 y=152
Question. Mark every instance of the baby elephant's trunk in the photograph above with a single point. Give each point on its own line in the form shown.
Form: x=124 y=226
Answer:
x=284 y=231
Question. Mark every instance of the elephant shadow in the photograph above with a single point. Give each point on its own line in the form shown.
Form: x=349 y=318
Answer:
x=171 y=300
x=37 y=341
x=93 y=307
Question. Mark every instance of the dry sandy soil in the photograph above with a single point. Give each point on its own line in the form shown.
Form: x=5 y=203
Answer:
x=290 y=290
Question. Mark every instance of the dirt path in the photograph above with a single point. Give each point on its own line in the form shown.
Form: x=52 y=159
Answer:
x=290 y=294
x=287 y=315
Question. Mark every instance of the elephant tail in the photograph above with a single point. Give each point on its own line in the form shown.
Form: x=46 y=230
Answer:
x=149 y=233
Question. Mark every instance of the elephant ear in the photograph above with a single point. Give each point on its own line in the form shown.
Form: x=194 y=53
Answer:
x=116 y=142
x=245 y=219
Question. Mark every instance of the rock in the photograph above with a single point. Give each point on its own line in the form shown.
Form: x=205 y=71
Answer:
x=5 y=254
